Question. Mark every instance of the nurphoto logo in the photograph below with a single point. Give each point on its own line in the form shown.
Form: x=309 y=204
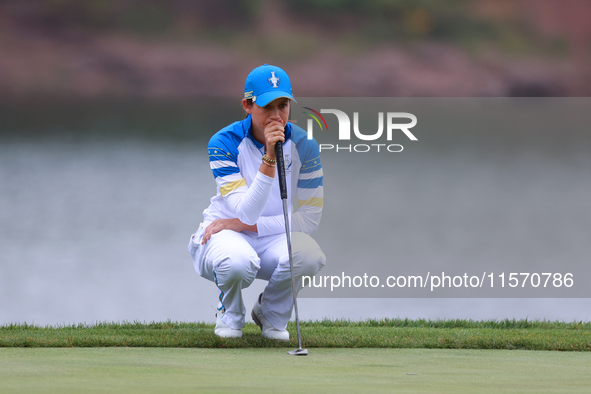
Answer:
x=393 y=125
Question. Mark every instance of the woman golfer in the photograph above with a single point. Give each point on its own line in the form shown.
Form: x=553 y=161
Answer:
x=242 y=236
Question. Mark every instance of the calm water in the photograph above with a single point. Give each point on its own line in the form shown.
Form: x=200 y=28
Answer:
x=97 y=230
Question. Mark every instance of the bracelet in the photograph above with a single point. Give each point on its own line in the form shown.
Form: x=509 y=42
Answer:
x=270 y=165
x=267 y=160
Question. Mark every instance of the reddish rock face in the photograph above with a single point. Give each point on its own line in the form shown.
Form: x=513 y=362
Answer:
x=44 y=51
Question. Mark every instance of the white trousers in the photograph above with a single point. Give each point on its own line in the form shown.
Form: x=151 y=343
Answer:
x=232 y=260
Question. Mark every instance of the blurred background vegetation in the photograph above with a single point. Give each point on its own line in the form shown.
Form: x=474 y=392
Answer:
x=183 y=48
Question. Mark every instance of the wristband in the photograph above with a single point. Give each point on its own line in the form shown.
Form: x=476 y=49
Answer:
x=270 y=165
x=267 y=160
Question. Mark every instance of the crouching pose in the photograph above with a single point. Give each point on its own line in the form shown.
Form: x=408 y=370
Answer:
x=242 y=236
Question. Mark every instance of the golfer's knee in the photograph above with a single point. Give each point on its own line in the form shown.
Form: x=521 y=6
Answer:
x=307 y=255
x=313 y=263
x=237 y=266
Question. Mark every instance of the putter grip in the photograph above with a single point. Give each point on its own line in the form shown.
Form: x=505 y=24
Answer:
x=281 y=169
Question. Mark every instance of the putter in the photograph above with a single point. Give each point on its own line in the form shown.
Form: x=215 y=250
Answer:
x=283 y=187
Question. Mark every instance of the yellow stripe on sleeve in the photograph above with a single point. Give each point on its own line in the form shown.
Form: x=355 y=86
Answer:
x=313 y=202
x=227 y=188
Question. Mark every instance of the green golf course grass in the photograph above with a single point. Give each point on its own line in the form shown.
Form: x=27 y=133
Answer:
x=390 y=355
x=271 y=370
x=388 y=333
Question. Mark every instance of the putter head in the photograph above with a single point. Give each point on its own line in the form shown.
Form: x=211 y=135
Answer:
x=299 y=352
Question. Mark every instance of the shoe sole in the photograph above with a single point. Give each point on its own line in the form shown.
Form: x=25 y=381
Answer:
x=234 y=335
x=258 y=323
x=228 y=336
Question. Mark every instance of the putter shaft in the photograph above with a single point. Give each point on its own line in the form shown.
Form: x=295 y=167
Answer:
x=283 y=190
x=293 y=293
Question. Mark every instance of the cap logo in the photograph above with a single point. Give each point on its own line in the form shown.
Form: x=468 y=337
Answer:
x=273 y=80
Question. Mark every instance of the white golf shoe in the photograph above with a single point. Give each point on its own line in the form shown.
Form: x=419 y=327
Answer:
x=267 y=328
x=223 y=331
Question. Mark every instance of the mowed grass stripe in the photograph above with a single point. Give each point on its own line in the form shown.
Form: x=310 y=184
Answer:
x=142 y=370
x=340 y=334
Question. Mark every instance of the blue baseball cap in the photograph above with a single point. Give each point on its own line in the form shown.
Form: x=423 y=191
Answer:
x=267 y=83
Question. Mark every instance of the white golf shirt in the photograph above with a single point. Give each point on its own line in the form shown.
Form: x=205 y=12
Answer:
x=243 y=192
